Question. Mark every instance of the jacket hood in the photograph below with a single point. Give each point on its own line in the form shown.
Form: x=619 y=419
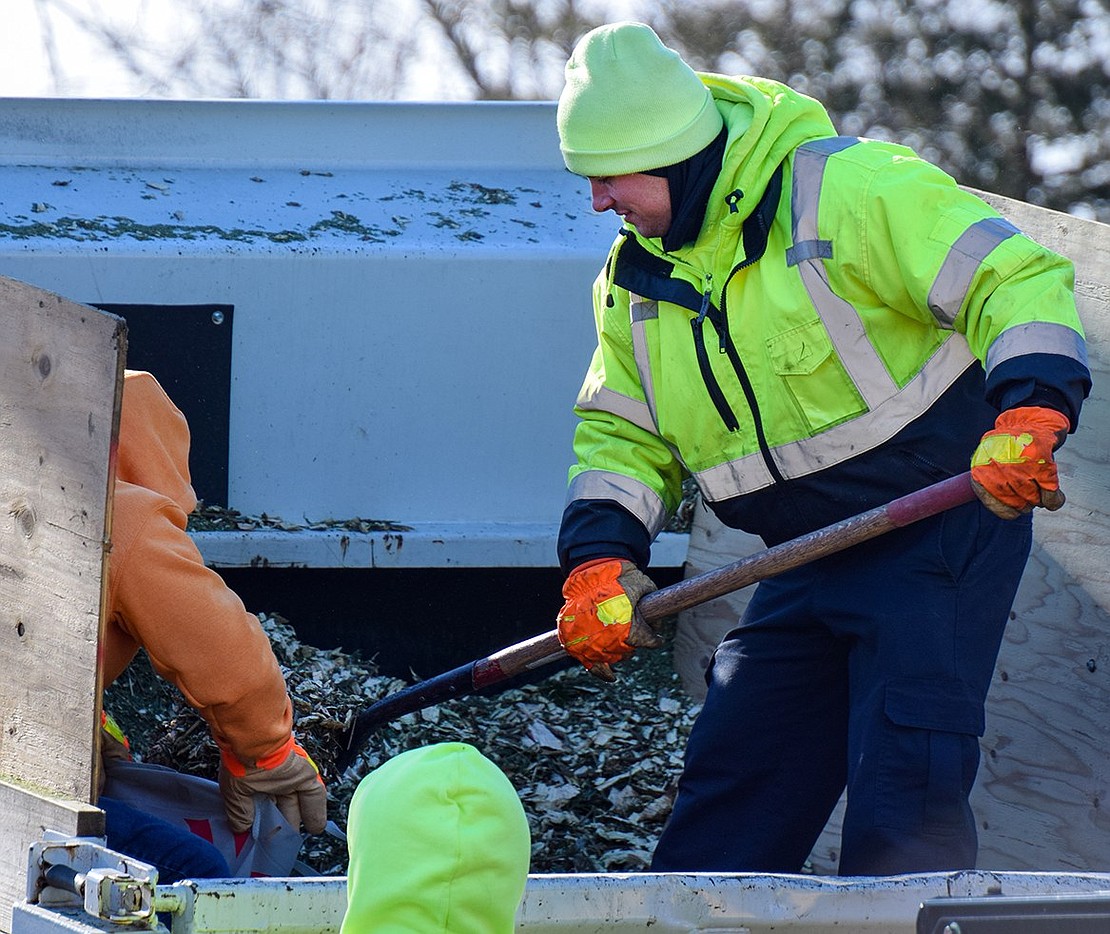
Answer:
x=766 y=121
x=438 y=841
x=153 y=449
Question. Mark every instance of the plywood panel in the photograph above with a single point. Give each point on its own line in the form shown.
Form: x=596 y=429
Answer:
x=1044 y=787
x=61 y=373
x=1045 y=776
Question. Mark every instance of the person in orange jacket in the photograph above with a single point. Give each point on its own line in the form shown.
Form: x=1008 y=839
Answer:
x=194 y=628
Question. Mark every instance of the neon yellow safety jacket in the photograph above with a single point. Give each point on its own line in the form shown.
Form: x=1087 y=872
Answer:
x=844 y=328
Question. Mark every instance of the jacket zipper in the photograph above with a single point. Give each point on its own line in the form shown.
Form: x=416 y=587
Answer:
x=711 y=384
x=727 y=346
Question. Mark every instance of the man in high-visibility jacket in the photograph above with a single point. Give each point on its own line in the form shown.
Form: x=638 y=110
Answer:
x=808 y=325
x=197 y=635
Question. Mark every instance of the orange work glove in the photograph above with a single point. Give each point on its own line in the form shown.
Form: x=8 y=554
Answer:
x=1012 y=469
x=598 y=624
x=288 y=775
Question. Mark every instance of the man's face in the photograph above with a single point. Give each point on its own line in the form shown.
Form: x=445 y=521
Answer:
x=644 y=201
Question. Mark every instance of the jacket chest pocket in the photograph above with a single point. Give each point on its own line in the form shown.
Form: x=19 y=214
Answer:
x=803 y=360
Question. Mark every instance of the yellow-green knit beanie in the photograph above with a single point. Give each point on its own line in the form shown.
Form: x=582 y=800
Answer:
x=631 y=104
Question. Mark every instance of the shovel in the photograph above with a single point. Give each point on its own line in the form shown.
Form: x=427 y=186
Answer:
x=545 y=649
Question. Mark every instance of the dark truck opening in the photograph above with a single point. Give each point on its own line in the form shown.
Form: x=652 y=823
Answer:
x=415 y=621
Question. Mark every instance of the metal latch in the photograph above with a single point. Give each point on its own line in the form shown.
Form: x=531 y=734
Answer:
x=106 y=884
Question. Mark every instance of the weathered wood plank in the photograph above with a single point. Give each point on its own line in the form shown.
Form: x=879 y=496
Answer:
x=25 y=816
x=61 y=376
x=1042 y=792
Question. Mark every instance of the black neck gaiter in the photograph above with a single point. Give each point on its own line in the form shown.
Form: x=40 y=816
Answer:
x=690 y=182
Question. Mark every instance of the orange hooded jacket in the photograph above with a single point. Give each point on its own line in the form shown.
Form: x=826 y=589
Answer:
x=161 y=597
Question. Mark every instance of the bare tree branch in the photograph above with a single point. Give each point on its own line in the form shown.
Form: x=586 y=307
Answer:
x=46 y=27
x=1008 y=95
x=259 y=48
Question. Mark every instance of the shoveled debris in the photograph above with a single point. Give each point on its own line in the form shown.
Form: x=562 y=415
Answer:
x=207 y=518
x=595 y=764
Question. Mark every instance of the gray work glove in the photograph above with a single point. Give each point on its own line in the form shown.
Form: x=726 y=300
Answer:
x=289 y=776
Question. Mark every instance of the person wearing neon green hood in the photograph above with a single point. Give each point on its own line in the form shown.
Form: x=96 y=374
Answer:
x=809 y=325
x=438 y=841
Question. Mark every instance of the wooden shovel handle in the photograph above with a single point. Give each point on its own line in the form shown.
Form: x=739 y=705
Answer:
x=545 y=649
x=806 y=548
x=539 y=650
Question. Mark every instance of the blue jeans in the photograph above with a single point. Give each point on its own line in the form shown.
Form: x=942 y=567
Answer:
x=868 y=669
x=174 y=851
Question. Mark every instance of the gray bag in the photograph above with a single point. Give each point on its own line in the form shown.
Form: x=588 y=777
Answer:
x=269 y=849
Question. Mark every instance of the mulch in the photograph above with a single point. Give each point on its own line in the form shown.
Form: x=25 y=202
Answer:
x=595 y=764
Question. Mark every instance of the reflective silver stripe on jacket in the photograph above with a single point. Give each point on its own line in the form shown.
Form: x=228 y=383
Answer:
x=1036 y=337
x=857 y=354
x=598 y=398
x=960 y=266
x=642 y=310
x=634 y=496
x=809 y=168
x=863 y=433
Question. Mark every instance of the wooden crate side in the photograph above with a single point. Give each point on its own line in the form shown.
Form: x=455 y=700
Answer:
x=25 y=816
x=1044 y=785
x=61 y=377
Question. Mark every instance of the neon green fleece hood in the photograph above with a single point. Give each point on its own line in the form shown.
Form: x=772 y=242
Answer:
x=438 y=841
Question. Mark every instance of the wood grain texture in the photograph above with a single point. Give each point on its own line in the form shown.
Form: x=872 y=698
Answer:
x=25 y=816
x=1043 y=791
x=61 y=375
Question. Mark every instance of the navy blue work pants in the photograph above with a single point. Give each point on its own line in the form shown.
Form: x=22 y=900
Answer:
x=174 y=851
x=867 y=669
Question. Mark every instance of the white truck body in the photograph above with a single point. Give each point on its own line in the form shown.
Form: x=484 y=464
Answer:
x=410 y=286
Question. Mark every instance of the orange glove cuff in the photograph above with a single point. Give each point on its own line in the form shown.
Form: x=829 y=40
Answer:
x=279 y=755
x=1035 y=418
x=1013 y=462
x=108 y=725
x=596 y=617
x=292 y=780
x=232 y=764
x=269 y=761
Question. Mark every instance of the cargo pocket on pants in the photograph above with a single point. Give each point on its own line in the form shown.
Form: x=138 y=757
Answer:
x=929 y=754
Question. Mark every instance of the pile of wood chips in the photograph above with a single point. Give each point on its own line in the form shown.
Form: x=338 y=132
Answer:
x=595 y=764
